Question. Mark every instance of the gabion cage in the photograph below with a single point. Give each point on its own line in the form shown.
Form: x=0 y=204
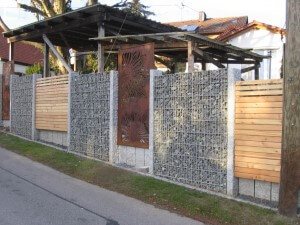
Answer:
x=90 y=115
x=190 y=128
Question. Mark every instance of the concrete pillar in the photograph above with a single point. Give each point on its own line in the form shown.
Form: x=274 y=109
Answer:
x=34 y=131
x=113 y=118
x=232 y=183
x=153 y=74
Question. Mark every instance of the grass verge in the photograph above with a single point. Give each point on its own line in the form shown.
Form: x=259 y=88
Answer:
x=200 y=206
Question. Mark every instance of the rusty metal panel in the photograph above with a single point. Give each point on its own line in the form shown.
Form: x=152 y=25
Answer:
x=134 y=64
x=8 y=69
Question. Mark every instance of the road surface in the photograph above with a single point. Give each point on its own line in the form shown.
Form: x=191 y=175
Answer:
x=33 y=194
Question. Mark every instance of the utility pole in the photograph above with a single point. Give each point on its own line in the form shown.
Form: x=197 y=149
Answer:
x=290 y=162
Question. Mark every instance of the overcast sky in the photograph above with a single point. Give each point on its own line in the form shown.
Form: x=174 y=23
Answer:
x=267 y=11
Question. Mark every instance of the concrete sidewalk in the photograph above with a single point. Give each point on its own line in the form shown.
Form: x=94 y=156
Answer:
x=31 y=194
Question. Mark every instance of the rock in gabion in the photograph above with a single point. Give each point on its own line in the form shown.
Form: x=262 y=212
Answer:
x=190 y=128
x=90 y=115
x=21 y=105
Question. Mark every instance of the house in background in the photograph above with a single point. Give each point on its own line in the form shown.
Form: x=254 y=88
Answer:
x=264 y=39
x=25 y=55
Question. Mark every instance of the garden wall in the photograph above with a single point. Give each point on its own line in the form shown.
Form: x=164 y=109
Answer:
x=90 y=115
x=22 y=105
x=190 y=117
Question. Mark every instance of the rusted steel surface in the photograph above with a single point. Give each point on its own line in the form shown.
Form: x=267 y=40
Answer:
x=134 y=66
x=8 y=69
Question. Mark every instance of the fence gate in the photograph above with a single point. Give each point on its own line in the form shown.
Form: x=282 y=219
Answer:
x=258 y=130
x=134 y=66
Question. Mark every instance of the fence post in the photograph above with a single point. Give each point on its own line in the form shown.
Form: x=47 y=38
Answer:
x=113 y=117
x=71 y=74
x=1 y=120
x=232 y=183
x=150 y=157
x=34 y=131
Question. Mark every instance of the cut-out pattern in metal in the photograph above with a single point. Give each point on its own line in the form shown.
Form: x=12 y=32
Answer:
x=133 y=107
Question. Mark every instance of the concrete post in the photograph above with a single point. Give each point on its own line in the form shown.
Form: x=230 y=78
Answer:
x=150 y=152
x=232 y=183
x=113 y=118
x=69 y=108
x=34 y=131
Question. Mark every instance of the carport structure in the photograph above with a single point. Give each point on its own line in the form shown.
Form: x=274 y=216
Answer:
x=105 y=30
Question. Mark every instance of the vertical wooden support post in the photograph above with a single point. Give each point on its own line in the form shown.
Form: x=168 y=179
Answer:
x=256 y=73
x=290 y=166
x=101 y=33
x=203 y=65
x=11 y=56
x=191 y=58
x=46 y=61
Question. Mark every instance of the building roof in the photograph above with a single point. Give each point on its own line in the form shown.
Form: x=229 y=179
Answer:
x=236 y=31
x=24 y=53
x=213 y=25
x=73 y=29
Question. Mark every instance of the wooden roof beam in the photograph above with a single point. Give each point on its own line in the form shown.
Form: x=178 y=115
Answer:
x=208 y=58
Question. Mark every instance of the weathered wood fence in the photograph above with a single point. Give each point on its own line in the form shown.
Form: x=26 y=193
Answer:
x=258 y=129
x=51 y=111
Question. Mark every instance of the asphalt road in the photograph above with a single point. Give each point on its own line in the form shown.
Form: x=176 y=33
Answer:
x=33 y=194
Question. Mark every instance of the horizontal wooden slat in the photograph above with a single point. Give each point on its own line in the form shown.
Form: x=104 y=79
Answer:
x=257 y=166
x=274 y=162
x=255 y=143
x=247 y=148
x=266 y=133
x=257 y=171
x=258 y=121
x=259 y=110
x=260 y=127
x=261 y=155
x=261 y=82
x=258 y=116
x=259 y=99
x=259 y=105
x=258 y=87
x=257 y=138
x=256 y=93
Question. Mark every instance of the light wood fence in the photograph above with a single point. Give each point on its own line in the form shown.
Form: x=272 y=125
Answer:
x=51 y=112
x=258 y=129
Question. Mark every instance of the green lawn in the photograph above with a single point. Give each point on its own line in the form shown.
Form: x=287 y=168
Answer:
x=201 y=206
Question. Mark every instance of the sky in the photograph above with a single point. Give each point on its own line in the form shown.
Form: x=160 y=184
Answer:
x=267 y=11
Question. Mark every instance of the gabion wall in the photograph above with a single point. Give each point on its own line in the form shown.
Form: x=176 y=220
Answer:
x=190 y=128
x=21 y=105
x=90 y=115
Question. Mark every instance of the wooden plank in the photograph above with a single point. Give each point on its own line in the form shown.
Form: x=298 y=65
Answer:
x=257 y=177
x=52 y=78
x=259 y=105
x=258 y=144
x=258 y=116
x=247 y=148
x=259 y=110
x=259 y=133
x=258 y=166
x=274 y=162
x=258 y=87
x=257 y=171
x=257 y=138
x=259 y=99
x=260 y=127
x=261 y=155
x=256 y=93
x=263 y=82
x=258 y=121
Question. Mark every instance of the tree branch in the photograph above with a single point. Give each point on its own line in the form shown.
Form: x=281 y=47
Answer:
x=31 y=9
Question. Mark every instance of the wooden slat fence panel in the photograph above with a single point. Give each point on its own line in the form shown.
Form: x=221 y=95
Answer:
x=51 y=109
x=258 y=129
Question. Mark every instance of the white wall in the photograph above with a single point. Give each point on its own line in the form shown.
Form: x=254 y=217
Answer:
x=260 y=40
